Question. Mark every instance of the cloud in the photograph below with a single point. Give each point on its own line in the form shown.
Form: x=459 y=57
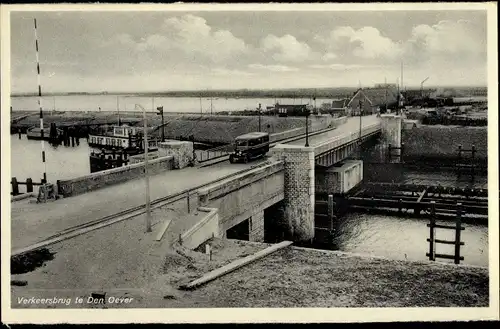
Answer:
x=337 y=67
x=328 y=56
x=448 y=38
x=287 y=48
x=366 y=42
x=274 y=68
x=188 y=36
x=230 y=72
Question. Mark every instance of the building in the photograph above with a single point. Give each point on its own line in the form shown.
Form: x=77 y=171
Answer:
x=284 y=110
x=371 y=100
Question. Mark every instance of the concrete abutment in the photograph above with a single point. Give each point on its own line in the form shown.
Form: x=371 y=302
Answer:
x=299 y=190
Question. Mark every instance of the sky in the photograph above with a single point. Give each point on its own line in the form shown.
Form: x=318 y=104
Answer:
x=155 y=51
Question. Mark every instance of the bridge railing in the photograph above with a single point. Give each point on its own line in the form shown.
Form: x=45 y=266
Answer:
x=206 y=155
x=346 y=138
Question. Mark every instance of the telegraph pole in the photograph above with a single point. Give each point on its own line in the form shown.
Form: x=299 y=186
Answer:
x=146 y=173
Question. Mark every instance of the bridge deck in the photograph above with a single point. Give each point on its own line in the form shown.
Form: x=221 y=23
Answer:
x=32 y=222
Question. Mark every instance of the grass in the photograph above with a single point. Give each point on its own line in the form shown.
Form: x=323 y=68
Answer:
x=299 y=278
x=444 y=140
x=208 y=129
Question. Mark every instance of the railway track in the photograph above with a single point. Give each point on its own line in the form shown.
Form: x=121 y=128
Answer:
x=81 y=229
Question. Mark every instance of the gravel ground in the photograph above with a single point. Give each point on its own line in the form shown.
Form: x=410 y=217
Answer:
x=293 y=277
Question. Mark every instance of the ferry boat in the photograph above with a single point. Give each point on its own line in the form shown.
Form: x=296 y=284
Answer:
x=120 y=137
x=114 y=146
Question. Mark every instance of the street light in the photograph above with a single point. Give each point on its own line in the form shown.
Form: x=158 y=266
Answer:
x=259 y=109
x=160 y=112
x=146 y=173
x=360 y=126
x=307 y=112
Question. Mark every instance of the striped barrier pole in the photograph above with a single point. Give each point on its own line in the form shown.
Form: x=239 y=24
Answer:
x=40 y=105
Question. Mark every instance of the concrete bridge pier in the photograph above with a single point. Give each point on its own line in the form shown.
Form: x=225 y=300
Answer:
x=391 y=133
x=256 y=228
x=299 y=190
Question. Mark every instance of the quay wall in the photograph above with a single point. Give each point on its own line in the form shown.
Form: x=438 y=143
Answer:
x=442 y=141
x=94 y=181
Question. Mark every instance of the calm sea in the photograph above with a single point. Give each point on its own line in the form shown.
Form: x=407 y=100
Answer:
x=170 y=104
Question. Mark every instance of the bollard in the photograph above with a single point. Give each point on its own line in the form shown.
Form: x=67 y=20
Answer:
x=19 y=131
x=15 y=186
x=208 y=251
x=29 y=185
x=180 y=239
x=188 y=202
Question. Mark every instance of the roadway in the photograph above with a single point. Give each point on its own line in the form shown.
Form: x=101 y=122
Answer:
x=33 y=222
x=351 y=125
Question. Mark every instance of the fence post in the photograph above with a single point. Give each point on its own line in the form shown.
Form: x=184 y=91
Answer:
x=432 y=231
x=15 y=186
x=459 y=159
x=458 y=233
x=473 y=151
x=29 y=185
x=330 y=207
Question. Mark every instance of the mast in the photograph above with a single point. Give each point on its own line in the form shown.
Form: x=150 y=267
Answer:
x=118 y=109
x=40 y=105
x=385 y=82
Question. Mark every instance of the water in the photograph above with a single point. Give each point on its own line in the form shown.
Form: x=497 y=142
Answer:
x=170 y=104
x=62 y=162
x=405 y=238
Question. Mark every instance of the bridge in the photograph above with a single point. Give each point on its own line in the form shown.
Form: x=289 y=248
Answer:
x=239 y=194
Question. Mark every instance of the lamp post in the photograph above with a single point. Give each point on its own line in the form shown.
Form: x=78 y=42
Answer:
x=160 y=112
x=259 y=109
x=146 y=173
x=360 y=126
x=307 y=127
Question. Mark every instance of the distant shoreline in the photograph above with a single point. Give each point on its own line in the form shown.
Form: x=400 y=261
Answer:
x=254 y=93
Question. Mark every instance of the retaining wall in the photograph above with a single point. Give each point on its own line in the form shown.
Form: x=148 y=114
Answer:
x=205 y=229
x=94 y=181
